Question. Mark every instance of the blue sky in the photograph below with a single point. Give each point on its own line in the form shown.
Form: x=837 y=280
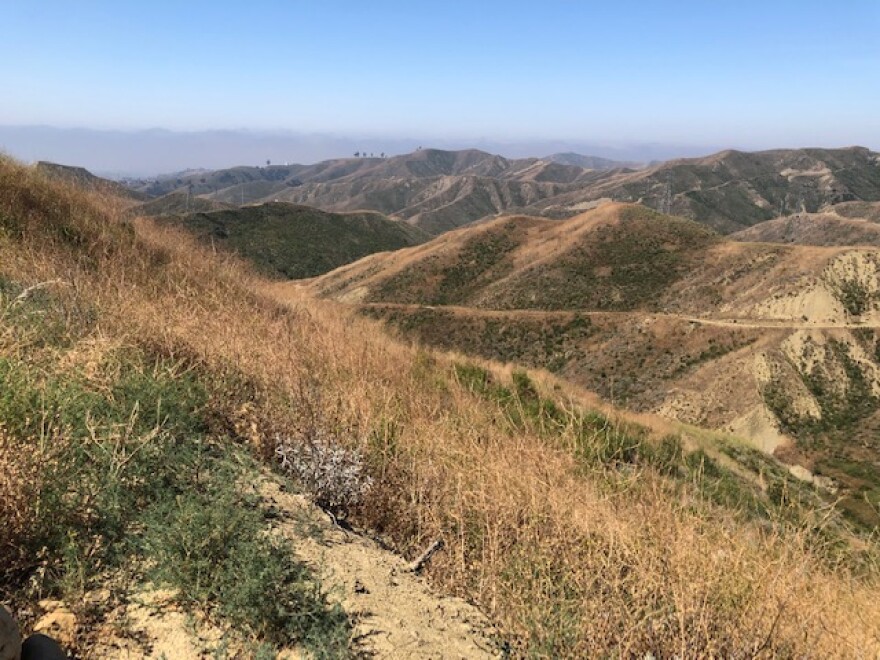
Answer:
x=746 y=74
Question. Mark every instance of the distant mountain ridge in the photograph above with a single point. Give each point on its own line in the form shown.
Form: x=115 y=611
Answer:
x=732 y=190
x=433 y=189
x=440 y=190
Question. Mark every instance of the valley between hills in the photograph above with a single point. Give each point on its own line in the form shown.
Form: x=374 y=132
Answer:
x=544 y=407
x=778 y=345
x=737 y=292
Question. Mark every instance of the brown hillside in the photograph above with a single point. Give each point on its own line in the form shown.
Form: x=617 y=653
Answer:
x=849 y=223
x=81 y=177
x=733 y=190
x=615 y=258
x=166 y=379
x=435 y=204
x=777 y=343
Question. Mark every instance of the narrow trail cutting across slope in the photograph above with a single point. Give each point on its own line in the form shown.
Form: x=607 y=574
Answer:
x=744 y=322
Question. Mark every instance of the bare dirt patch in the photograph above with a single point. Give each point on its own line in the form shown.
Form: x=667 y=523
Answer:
x=397 y=614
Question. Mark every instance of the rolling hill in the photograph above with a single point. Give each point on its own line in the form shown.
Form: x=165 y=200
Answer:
x=435 y=204
x=85 y=179
x=283 y=240
x=191 y=417
x=848 y=223
x=421 y=164
x=780 y=344
x=433 y=189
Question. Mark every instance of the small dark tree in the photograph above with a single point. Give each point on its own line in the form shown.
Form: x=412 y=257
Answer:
x=268 y=162
x=357 y=154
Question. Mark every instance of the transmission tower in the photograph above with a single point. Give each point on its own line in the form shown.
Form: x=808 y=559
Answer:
x=666 y=201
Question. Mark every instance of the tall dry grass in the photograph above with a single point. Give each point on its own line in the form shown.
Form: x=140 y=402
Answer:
x=570 y=560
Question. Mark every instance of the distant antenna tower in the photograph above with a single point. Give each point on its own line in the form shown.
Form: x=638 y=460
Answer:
x=666 y=201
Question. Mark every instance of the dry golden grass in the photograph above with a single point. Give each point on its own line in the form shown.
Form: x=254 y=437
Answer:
x=17 y=475
x=571 y=562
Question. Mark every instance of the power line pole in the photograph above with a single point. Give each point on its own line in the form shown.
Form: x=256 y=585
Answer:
x=666 y=201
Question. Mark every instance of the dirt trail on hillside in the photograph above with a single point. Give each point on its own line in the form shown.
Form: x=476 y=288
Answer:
x=397 y=615
x=771 y=323
x=729 y=322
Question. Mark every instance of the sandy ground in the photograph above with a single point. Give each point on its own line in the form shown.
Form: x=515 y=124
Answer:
x=398 y=615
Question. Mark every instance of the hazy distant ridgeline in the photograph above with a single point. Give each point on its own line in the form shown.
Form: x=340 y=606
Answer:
x=423 y=163
x=732 y=190
x=441 y=190
x=432 y=189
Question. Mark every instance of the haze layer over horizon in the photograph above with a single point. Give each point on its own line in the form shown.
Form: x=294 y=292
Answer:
x=632 y=80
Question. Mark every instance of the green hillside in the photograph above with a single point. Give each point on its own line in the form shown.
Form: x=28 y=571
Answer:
x=288 y=241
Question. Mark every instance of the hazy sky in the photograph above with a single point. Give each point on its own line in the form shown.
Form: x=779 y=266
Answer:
x=749 y=74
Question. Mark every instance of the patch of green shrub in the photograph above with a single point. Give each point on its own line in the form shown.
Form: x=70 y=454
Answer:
x=213 y=548
x=128 y=476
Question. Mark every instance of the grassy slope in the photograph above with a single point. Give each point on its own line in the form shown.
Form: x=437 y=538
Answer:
x=116 y=466
x=579 y=535
x=635 y=362
x=283 y=240
x=624 y=265
x=621 y=258
x=630 y=259
x=85 y=179
x=620 y=359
